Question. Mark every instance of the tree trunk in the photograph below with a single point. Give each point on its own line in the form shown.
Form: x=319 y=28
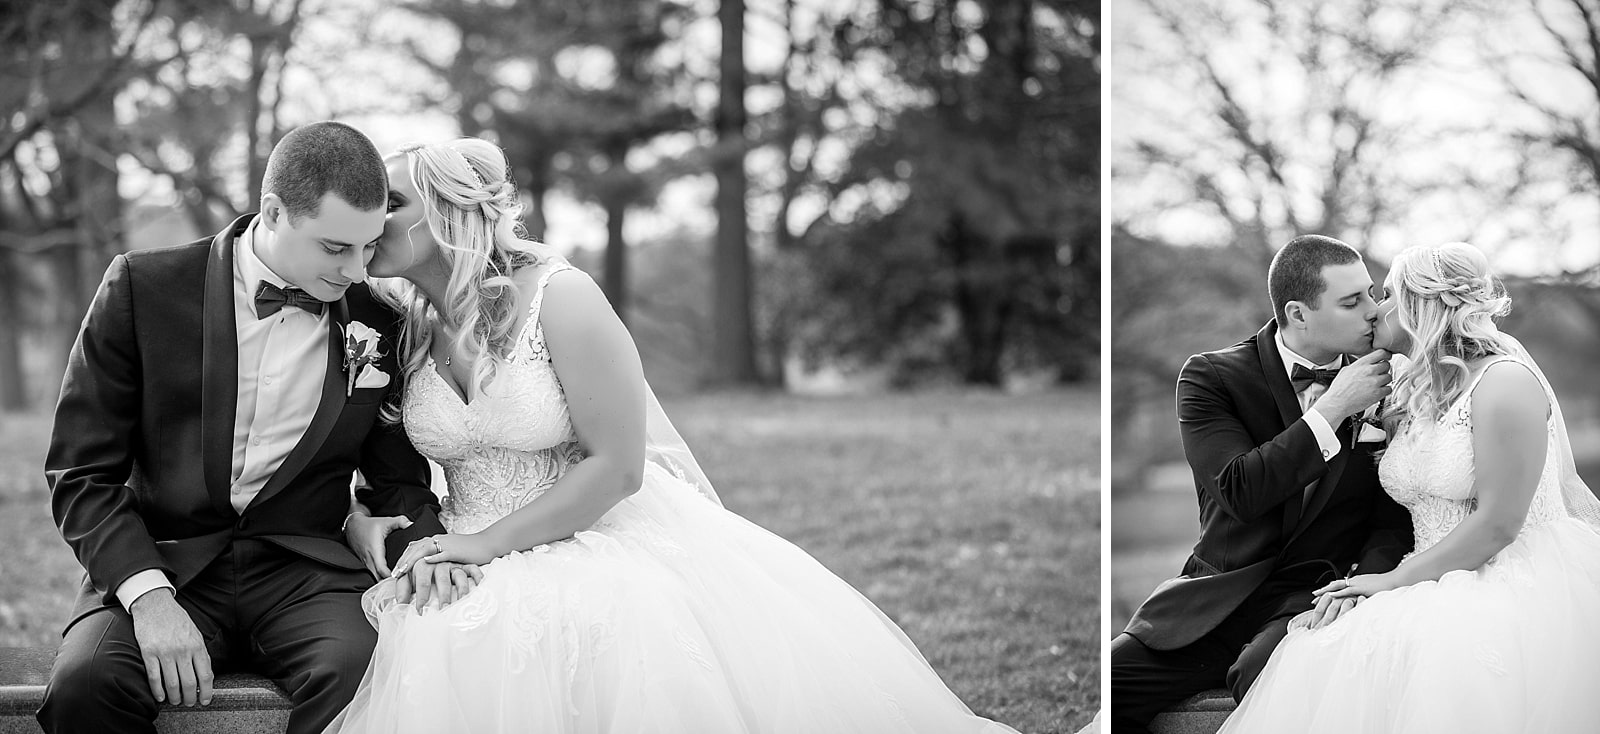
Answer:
x=537 y=185
x=980 y=304
x=615 y=281
x=255 y=160
x=99 y=206
x=733 y=349
x=13 y=384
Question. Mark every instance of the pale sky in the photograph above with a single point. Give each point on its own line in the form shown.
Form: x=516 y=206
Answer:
x=1151 y=98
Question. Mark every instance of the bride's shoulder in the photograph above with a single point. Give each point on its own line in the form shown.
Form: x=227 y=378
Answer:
x=1507 y=388
x=549 y=268
x=562 y=290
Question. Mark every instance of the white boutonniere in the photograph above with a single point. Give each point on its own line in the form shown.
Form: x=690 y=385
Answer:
x=1369 y=426
x=360 y=352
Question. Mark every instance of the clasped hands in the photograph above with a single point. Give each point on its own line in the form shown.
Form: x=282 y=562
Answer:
x=441 y=567
x=1340 y=596
x=423 y=574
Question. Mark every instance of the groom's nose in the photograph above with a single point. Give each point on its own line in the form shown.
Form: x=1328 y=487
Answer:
x=353 y=268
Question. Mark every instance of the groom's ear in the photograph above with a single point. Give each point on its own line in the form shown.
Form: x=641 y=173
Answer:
x=272 y=211
x=1294 y=314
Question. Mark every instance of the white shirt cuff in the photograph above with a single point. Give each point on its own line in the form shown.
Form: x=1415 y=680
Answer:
x=1327 y=440
x=140 y=584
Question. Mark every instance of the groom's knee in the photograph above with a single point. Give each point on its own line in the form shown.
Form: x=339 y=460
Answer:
x=341 y=662
x=1139 y=690
x=98 y=682
x=1253 y=658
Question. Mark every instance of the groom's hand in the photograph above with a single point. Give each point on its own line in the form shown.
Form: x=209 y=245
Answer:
x=443 y=581
x=1330 y=608
x=366 y=535
x=176 y=663
x=1358 y=386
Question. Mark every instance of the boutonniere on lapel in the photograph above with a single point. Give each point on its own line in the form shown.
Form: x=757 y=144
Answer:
x=1369 y=426
x=360 y=352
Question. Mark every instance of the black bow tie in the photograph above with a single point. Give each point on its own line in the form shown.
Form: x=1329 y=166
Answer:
x=1302 y=378
x=270 y=299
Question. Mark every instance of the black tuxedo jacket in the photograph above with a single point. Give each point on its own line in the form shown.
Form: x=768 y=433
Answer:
x=141 y=453
x=1253 y=456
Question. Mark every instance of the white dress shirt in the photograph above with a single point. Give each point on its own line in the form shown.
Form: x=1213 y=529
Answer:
x=282 y=365
x=1327 y=440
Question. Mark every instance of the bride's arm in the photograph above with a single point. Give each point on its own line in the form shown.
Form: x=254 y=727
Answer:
x=603 y=381
x=1509 y=411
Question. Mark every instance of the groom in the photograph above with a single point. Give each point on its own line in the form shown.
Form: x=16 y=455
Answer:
x=1288 y=491
x=211 y=417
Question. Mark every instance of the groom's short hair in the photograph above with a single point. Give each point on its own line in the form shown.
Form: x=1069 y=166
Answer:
x=315 y=159
x=1296 y=271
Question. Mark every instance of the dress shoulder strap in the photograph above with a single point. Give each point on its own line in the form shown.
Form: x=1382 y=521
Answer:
x=1483 y=370
x=555 y=265
x=532 y=335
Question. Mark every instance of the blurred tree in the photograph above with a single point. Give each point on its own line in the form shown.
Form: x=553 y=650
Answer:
x=572 y=93
x=60 y=213
x=733 y=356
x=1294 y=136
x=1555 y=82
x=208 y=120
x=1169 y=302
x=963 y=226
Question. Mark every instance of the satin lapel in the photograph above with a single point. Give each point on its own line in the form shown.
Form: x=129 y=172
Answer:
x=219 y=365
x=1277 y=375
x=1330 y=481
x=1288 y=404
x=328 y=408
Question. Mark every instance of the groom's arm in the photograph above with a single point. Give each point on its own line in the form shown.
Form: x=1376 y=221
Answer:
x=1244 y=478
x=1391 y=537
x=398 y=484
x=91 y=444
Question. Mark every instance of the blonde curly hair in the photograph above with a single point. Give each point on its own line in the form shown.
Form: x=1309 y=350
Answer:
x=470 y=205
x=1447 y=305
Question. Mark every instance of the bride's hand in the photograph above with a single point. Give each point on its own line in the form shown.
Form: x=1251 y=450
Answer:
x=446 y=583
x=471 y=548
x=1363 y=585
x=1327 y=610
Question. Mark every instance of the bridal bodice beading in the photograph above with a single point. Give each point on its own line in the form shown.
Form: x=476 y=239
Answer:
x=1428 y=470
x=513 y=441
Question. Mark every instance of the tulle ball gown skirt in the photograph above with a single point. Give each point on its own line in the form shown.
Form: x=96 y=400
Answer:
x=1511 y=647
x=669 y=615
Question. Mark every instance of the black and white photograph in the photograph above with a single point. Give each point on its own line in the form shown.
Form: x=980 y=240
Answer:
x=1354 y=310
x=553 y=366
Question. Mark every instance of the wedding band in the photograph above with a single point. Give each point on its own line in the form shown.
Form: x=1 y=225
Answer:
x=436 y=547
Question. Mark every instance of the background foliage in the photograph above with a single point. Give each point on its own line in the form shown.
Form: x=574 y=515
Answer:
x=907 y=188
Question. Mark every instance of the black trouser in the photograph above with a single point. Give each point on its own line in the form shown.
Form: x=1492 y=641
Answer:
x=1145 y=682
x=258 y=607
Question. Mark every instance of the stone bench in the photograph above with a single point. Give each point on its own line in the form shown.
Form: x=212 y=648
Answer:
x=1202 y=713
x=240 y=703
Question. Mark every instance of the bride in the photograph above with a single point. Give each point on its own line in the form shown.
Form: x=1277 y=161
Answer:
x=616 y=594
x=1489 y=625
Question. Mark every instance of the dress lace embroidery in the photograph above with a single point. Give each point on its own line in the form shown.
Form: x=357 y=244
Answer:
x=1428 y=470
x=511 y=443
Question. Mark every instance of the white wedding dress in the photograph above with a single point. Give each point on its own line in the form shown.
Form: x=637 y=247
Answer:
x=1513 y=646
x=670 y=614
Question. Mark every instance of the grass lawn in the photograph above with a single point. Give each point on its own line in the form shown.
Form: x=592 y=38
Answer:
x=970 y=518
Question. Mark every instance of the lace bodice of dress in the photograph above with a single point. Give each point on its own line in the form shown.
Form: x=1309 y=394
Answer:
x=511 y=443
x=1428 y=470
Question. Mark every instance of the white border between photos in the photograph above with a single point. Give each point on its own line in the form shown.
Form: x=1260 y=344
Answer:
x=1105 y=374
